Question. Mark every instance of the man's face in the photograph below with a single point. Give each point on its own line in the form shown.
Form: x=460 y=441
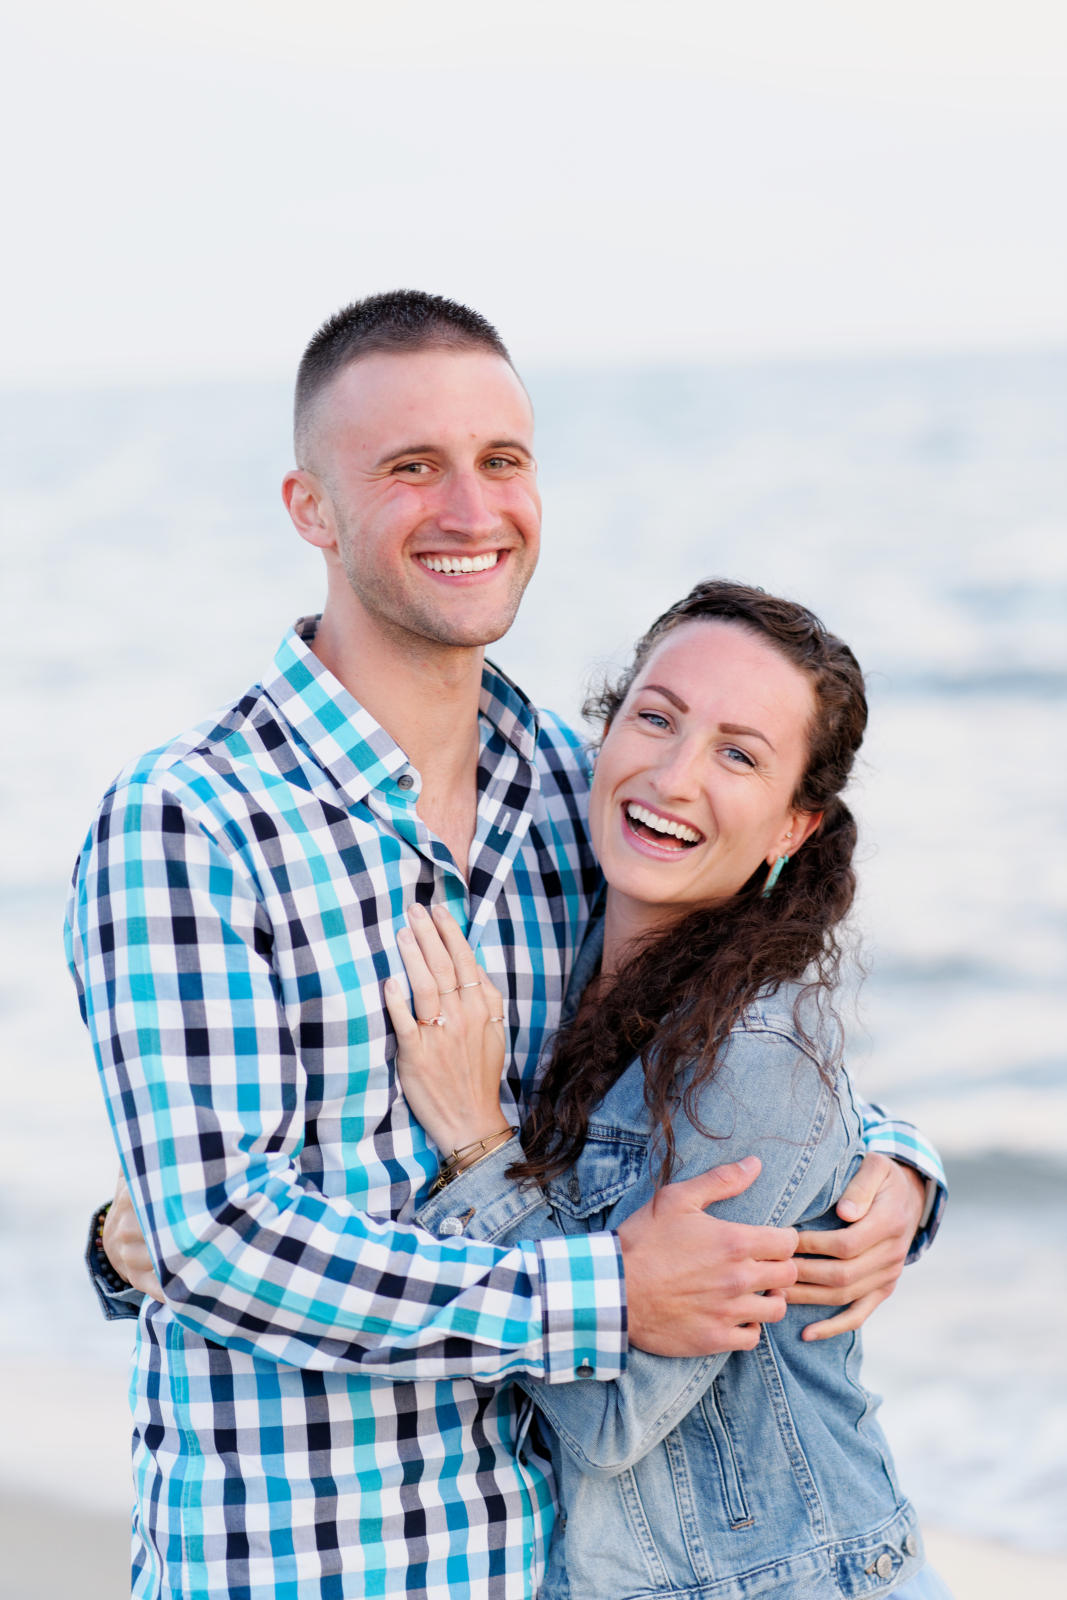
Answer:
x=427 y=464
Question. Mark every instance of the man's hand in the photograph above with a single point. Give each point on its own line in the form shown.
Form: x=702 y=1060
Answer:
x=865 y=1259
x=125 y=1248
x=695 y=1284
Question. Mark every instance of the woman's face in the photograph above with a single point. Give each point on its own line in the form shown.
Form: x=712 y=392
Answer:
x=695 y=778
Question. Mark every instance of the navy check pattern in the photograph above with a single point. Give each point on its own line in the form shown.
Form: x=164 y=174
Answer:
x=232 y=919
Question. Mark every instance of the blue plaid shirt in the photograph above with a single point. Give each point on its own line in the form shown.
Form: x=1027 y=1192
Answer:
x=233 y=917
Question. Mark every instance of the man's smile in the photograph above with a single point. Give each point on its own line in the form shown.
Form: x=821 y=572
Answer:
x=453 y=564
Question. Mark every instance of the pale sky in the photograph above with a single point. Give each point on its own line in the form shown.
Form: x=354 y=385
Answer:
x=192 y=189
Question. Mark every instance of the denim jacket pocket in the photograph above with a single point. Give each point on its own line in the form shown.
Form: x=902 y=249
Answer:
x=611 y=1162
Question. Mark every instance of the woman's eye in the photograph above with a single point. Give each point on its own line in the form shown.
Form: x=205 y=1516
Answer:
x=739 y=757
x=656 y=718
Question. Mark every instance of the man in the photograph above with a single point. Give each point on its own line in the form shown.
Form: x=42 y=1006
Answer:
x=319 y=1397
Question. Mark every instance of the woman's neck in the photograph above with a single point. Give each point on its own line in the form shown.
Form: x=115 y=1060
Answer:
x=626 y=923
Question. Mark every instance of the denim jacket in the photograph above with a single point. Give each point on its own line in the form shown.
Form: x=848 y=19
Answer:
x=732 y=1476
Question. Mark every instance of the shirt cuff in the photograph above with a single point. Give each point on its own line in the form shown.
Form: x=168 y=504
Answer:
x=583 y=1290
x=580 y=1276
x=118 y=1300
x=902 y=1142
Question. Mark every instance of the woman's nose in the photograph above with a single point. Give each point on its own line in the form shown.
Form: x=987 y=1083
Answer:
x=677 y=774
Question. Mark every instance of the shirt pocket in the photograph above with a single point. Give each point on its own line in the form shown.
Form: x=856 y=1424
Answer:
x=612 y=1161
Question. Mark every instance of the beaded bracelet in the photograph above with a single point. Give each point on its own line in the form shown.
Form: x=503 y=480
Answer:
x=101 y=1264
x=454 y=1164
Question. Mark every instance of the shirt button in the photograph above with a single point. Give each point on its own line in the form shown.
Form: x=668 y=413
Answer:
x=449 y=1228
x=884 y=1566
x=405 y=781
x=911 y=1545
x=584 y=1371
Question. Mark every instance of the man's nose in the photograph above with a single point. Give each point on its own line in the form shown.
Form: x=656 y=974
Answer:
x=467 y=506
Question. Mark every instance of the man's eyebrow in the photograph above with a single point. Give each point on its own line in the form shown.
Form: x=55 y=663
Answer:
x=435 y=449
x=407 y=450
x=510 y=444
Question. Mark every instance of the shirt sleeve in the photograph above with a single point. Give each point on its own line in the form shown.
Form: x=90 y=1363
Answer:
x=901 y=1141
x=205 y=1091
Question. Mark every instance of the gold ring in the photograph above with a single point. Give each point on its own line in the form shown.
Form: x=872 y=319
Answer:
x=432 y=1022
x=454 y=990
x=496 y=1019
x=475 y=985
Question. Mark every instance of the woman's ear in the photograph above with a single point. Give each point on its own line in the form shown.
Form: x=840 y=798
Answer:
x=801 y=826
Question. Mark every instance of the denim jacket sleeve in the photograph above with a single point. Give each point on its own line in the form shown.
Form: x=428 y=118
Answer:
x=768 y=1098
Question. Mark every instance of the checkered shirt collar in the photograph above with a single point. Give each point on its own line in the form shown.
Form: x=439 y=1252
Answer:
x=342 y=735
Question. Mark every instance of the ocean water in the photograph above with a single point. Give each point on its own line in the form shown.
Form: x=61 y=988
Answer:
x=920 y=506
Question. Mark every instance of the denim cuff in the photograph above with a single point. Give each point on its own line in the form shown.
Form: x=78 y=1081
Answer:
x=118 y=1301
x=482 y=1203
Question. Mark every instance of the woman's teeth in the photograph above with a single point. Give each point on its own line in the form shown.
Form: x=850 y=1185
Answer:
x=658 y=824
x=461 y=563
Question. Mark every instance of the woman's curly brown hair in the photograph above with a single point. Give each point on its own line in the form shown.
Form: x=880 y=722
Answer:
x=681 y=990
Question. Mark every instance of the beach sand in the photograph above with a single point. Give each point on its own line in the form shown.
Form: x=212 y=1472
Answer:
x=64 y=1526
x=52 y=1551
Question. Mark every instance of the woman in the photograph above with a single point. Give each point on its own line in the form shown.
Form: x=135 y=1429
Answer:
x=699 y=1031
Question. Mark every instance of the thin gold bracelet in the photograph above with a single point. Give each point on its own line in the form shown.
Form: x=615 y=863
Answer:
x=453 y=1165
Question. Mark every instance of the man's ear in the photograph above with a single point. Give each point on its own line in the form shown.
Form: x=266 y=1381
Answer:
x=309 y=506
x=801 y=826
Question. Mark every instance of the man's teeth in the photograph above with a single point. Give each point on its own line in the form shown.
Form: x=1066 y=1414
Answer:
x=662 y=824
x=461 y=563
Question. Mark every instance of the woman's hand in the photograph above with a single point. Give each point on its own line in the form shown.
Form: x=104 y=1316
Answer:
x=450 y=1054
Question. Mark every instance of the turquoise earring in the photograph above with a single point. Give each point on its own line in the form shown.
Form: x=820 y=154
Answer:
x=773 y=876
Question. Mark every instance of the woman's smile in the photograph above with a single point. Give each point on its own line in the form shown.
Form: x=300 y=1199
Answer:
x=653 y=830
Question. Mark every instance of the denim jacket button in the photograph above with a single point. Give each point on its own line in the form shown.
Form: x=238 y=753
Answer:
x=449 y=1228
x=584 y=1371
x=884 y=1566
x=911 y=1545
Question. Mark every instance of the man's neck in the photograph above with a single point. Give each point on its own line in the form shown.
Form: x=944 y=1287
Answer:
x=426 y=697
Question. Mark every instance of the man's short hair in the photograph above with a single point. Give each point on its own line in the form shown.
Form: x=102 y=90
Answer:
x=402 y=320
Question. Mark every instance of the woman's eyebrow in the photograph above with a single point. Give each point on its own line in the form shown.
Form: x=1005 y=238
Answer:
x=668 y=694
x=733 y=728
x=753 y=733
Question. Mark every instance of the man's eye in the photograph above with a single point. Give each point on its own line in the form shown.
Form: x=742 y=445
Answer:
x=499 y=463
x=414 y=469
